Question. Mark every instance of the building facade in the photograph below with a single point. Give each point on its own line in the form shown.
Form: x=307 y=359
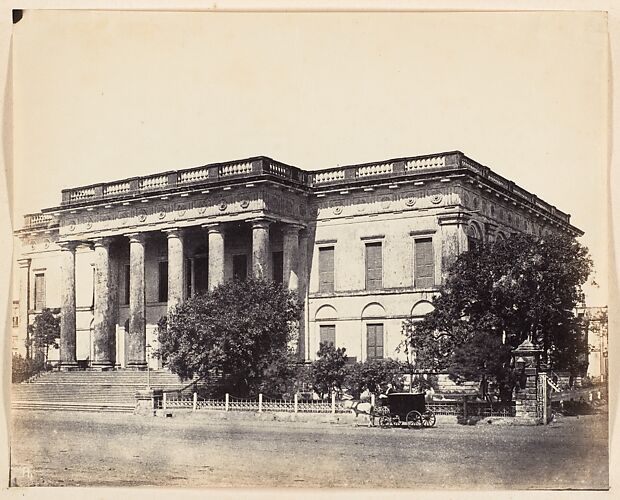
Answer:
x=365 y=246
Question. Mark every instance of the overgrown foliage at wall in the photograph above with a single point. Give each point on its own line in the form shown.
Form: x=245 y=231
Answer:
x=240 y=329
x=24 y=368
x=497 y=295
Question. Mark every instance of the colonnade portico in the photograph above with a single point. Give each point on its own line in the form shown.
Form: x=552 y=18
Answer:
x=105 y=309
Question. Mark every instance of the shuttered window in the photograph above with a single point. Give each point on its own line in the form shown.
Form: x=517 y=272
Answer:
x=424 y=273
x=328 y=334
x=374 y=266
x=326 y=269
x=39 y=292
x=374 y=341
x=163 y=281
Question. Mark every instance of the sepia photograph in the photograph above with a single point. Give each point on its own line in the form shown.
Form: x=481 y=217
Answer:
x=304 y=249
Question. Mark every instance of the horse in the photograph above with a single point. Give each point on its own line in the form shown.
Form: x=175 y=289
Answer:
x=363 y=407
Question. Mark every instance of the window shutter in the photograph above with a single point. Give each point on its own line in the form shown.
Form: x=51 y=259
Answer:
x=328 y=334
x=424 y=263
x=374 y=266
x=326 y=269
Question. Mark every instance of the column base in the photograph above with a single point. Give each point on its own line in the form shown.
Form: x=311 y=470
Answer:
x=67 y=366
x=136 y=366
x=101 y=366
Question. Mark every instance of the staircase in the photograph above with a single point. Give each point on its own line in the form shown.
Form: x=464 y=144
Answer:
x=111 y=391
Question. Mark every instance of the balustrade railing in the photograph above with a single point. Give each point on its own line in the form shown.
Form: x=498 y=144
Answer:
x=38 y=220
x=261 y=165
x=196 y=175
x=235 y=169
x=423 y=163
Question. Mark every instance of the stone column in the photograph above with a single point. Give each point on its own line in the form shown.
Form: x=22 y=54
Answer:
x=24 y=300
x=104 y=334
x=136 y=344
x=175 y=268
x=260 y=248
x=67 y=305
x=290 y=250
x=216 y=254
x=453 y=239
x=302 y=348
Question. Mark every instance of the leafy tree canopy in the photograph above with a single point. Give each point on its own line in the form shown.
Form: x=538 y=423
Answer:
x=328 y=371
x=240 y=329
x=44 y=332
x=373 y=375
x=497 y=295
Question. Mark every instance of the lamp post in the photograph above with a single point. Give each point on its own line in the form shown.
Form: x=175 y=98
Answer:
x=148 y=369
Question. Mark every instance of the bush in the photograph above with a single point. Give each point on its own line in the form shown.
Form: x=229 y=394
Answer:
x=373 y=375
x=24 y=368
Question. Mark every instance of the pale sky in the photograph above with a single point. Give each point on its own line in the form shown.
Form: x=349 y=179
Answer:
x=100 y=96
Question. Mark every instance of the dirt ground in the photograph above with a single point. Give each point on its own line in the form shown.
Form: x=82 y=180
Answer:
x=90 y=449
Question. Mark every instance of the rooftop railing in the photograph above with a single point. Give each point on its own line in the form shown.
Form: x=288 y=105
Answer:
x=205 y=174
x=35 y=221
x=259 y=166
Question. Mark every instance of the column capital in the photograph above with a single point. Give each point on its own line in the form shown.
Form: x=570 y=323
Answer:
x=453 y=219
x=173 y=232
x=260 y=222
x=293 y=228
x=136 y=237
x=24 y=262
x=214 y=227
x=69 y=246
x=104 y=241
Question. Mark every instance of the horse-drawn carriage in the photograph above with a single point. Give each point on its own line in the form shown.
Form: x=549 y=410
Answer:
x=404 y=408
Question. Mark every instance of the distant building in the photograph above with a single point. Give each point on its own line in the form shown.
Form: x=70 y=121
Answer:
x=596 y=321
x=365 y=246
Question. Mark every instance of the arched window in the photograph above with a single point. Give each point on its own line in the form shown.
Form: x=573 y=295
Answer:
x=474 y=236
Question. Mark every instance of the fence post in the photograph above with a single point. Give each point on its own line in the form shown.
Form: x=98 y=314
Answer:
x=372 y=400
x=260 y=402
x=333 y=402
x=465 y=407
x=598 y=394
x=590 y=397
x=163 y=402
x=296 y=404
x=226 y=402
x=194 y=402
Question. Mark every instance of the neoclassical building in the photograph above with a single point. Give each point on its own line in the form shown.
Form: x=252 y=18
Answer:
x=365 y=246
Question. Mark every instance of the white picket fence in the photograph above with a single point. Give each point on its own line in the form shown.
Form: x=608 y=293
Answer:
x=232 y=403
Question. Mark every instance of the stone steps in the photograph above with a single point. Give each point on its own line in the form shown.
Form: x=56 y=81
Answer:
x=89 y=391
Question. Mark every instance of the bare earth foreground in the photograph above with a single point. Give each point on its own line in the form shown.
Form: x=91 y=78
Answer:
x=90 y=449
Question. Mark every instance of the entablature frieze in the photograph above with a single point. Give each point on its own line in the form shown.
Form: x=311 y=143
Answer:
x=162 y=214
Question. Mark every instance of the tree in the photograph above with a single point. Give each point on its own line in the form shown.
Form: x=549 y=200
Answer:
x=240 y=329
x=374 y=375
x=44 y=333
x=328 y=372
x=497 y=295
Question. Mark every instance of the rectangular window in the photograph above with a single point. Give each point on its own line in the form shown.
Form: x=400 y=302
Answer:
x=277 y=259
x=39 y=292
x=326 y=269
x=424 y=273
x=374 y=341
x=374 y=266
x=328 y=334
x=127 y=281
x=163 y=281
x=240 y=267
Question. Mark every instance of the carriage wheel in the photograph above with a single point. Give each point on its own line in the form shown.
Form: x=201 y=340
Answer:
x=414 y=419
x=428 y=419
x=385 y=421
